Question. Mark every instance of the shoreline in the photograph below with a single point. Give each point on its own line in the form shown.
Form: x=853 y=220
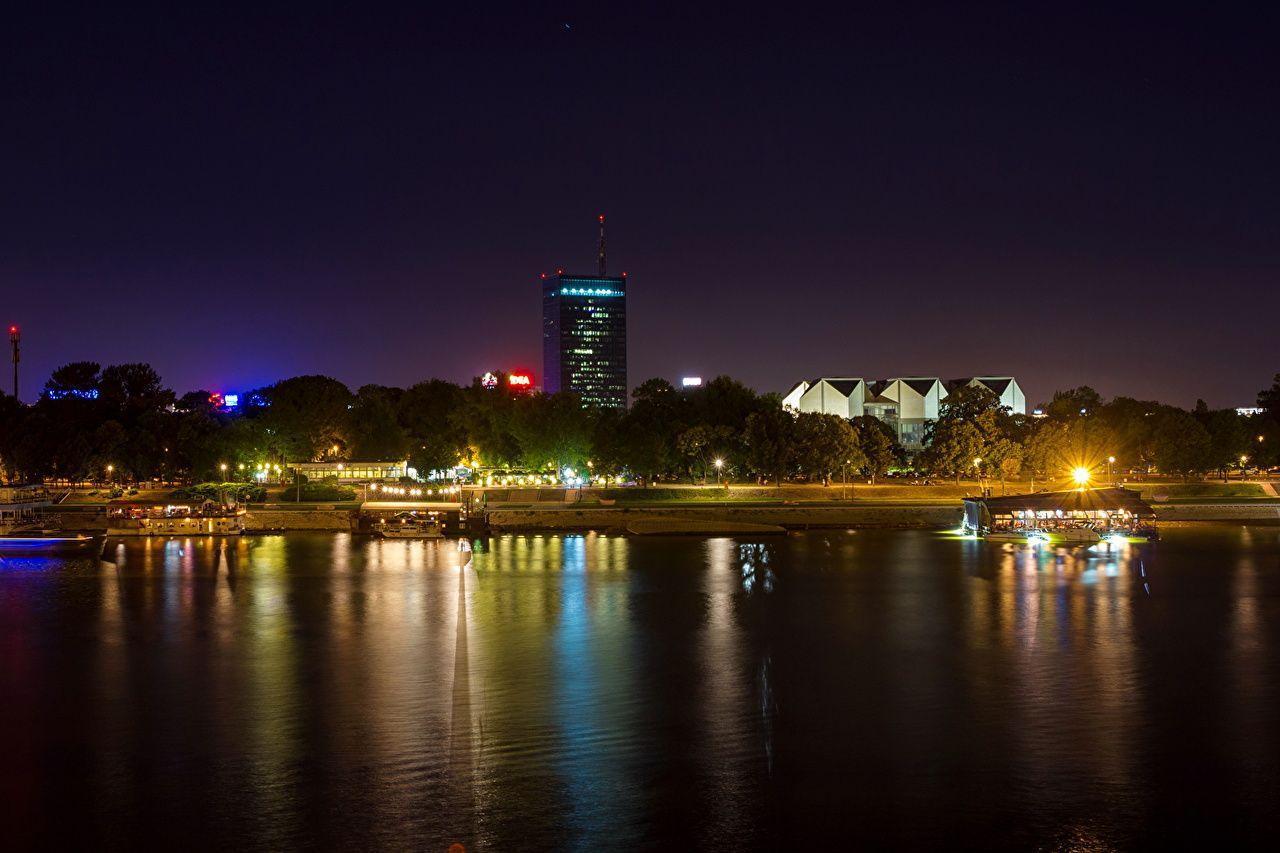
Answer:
x=941 y=515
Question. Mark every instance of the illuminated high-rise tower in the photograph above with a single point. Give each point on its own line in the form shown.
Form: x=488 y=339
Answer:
x=584 y=335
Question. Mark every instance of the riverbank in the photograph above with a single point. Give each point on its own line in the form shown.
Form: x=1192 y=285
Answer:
x=790 y=512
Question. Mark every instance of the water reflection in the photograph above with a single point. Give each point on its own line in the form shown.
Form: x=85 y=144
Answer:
x=594 y=692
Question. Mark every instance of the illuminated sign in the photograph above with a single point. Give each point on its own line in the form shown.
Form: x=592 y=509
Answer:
x=224 y=401
x=691 y=381
x=489 y=380
x=522 y=380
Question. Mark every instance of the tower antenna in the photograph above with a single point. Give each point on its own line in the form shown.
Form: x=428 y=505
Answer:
x=602 y=245
x=14 y=338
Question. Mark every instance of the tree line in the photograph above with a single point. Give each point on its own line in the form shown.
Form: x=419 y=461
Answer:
x=90 y=418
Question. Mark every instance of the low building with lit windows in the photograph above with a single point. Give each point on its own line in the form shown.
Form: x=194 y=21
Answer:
x=355 y=472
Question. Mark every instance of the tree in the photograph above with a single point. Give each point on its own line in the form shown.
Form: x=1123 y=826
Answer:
x=79 y=378
x=305 y=415
x=879 y=445
x=132 y=389
x=428 y=411
x=1182 y=445
x=647 y=438
x=701 y=444
x=553 y=431
x=1073 y=403
x=825 y=444
x=770 y=441
x=1004 y=456
x=376 y=433
x=1228 y=440
x=970 y=426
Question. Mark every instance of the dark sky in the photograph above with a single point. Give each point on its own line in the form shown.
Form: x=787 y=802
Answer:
x=237 y=195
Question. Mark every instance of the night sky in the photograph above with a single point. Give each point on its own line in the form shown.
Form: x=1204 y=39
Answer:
x=241 y=195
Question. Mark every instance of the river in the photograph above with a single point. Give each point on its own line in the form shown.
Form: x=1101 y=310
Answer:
x=887 y=688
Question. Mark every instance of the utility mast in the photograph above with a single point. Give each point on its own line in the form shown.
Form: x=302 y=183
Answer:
x=14 y=338
x=602 y=245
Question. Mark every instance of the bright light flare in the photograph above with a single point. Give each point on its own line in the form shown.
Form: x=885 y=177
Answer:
x=1081 y=476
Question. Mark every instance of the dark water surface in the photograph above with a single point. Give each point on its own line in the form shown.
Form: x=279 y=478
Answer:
x=899 y=688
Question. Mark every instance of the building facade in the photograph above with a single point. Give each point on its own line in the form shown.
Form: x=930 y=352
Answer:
x=584 y=337
x=906 y=403
x=355 y=471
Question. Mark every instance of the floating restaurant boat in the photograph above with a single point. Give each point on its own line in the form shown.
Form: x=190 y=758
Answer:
x=410 y=525
x=40 y=544
x=1075 y=517
x=158 y=518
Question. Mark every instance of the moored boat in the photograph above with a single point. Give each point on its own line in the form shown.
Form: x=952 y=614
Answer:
x=1078 y=517
x=158 y=518
x=410 y=525
x=40 y=544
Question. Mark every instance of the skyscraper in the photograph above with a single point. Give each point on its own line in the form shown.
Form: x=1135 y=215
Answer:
x=584 y=335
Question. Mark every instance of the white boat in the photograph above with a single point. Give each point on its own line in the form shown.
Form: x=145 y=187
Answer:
x=159 y=518
x=410 y=525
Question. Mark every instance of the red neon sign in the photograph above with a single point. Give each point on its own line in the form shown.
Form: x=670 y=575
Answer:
x=523 y=380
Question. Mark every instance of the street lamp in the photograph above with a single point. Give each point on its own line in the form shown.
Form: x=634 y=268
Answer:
x=110 y=468
x=223 y=468
x=719 y=463
x=1111 y=460
x=1081 y=476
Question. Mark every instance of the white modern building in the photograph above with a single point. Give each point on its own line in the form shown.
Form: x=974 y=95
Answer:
x=1006 y=388
x=907 y=403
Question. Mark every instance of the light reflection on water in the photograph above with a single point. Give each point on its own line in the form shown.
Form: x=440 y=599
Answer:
x=599 y=692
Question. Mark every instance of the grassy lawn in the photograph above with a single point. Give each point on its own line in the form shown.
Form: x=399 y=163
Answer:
x=1183 y=492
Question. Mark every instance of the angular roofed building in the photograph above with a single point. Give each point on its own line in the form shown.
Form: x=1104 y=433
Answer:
x=1004 y=387
x=843 y=397
x=906 y=403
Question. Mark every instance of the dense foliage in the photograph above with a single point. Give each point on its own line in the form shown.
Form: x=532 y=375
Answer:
x=120 y=420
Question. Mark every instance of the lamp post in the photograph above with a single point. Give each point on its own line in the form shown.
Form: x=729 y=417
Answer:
x=110 y=468
x=1111 y=460
x=719 y=463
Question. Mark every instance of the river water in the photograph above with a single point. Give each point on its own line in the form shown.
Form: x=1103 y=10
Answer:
x=888 y=688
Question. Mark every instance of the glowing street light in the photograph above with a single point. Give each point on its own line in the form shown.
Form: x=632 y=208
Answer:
x=719 y=463
x=1111 y=460
x=1081 y=476
x=222 y=466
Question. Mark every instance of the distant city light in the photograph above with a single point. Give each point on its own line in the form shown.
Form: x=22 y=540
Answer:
x=1250 y=411
x=691 y=381
x=73 y=393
